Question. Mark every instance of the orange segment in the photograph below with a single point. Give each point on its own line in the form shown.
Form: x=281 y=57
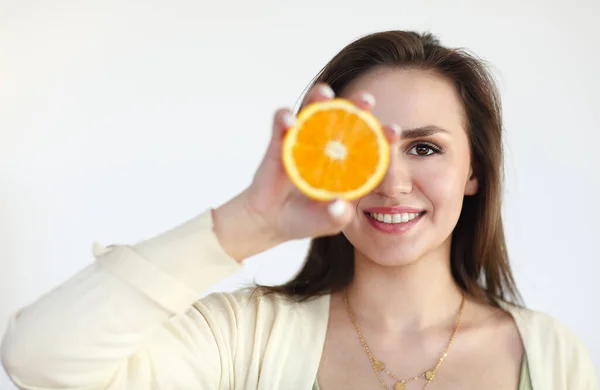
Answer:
x=335 y=150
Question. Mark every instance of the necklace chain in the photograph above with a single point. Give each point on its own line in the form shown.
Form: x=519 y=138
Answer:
x=378 y=366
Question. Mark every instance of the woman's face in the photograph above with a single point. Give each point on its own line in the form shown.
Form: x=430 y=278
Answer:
x=414 y=210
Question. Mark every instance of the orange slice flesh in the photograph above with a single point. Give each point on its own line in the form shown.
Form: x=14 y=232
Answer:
x=335 y=150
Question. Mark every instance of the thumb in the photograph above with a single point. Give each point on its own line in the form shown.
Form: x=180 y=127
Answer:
x=340 y=214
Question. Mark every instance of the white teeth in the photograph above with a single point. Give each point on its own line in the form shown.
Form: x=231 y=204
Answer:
x=394 y=218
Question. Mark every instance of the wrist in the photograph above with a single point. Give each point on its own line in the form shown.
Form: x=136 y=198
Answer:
x=241 y=232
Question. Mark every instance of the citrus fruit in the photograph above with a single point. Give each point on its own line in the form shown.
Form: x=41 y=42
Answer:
x=335 y=150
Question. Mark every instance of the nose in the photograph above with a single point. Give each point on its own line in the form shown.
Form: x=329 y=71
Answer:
x=397 y=180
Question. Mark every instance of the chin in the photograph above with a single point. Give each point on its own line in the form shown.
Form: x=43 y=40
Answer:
x=389 y=249
x=393 y=257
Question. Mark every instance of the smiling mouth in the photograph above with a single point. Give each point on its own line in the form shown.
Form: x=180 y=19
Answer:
x=395 y=218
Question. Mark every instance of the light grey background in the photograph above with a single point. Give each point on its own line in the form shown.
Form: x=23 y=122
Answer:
x=121 y=119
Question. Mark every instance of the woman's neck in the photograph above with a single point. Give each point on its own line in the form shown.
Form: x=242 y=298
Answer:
x=412 y=297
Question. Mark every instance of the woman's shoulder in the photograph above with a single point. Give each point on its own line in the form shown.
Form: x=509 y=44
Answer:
x=547 y=327
x=553 y=347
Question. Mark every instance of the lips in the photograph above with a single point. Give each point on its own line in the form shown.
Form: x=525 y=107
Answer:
x=394 y=210
x=395 y=220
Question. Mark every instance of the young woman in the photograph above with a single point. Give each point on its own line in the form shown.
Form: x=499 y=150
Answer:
x=409 y=287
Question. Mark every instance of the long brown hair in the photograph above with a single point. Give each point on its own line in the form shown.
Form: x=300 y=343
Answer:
x=478 y=260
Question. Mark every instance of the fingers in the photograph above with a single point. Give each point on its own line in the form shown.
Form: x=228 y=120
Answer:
x=340 y=213
x=363 y=100
x=318 y=93
x=392 y=132
x=284 y=119
x=322 y=92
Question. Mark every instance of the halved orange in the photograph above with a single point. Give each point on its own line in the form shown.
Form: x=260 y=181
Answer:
x=335 y=150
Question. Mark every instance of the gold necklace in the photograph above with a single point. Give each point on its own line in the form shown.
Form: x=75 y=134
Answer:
x=379 y=366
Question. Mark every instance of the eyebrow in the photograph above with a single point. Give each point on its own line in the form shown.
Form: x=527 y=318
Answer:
x=420 y=132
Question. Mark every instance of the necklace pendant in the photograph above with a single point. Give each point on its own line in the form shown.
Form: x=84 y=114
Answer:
x=430 y=375
x=399 y=386
x=378 y=366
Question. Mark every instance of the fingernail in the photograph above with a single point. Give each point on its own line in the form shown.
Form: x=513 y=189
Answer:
x=326 y=91
x=337 y=208
x=368 y=99
x=396 y=129
x=289 y=119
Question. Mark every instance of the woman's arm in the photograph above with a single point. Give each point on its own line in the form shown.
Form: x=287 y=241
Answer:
x=122 y=322
x=126 y=321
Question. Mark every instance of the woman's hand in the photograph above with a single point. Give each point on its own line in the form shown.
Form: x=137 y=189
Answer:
x=272 y=210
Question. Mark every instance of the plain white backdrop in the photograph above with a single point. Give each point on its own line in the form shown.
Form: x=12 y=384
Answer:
x=119 y=120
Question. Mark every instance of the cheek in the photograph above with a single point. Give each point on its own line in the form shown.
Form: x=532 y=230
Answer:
x=442 y=181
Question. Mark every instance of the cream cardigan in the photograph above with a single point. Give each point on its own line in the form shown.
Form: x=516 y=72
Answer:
x=132 y=320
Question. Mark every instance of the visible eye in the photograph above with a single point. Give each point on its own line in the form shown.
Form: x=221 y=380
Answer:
x=424 y=149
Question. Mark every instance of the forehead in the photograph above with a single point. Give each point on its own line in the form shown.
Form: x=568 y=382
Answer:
x=412 y=98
